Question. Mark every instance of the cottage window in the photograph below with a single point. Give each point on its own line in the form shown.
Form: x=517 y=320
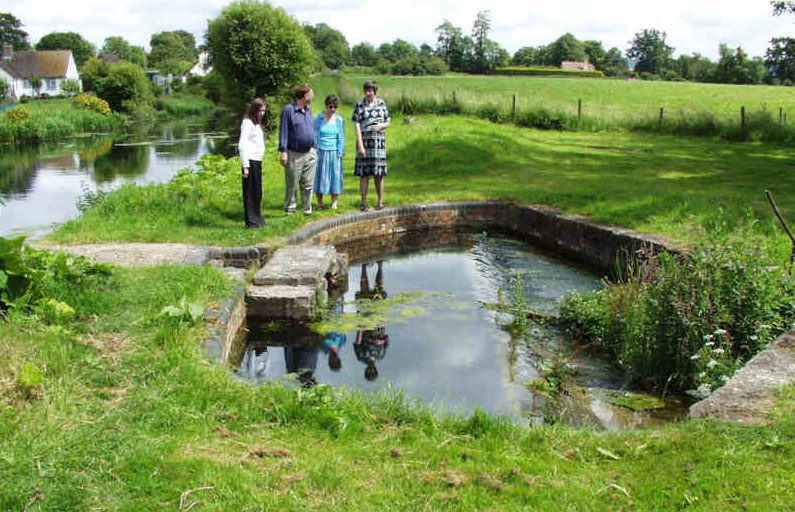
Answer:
x=52 y=84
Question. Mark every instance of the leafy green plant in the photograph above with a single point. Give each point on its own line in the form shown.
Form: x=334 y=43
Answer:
x=185 y=311
x=29 y=381
x=18 y=114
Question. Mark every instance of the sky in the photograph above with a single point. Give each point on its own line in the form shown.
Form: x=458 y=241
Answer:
x=691 y=25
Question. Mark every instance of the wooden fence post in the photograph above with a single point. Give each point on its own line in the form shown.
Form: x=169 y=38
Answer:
x=454 y=100
x=742 y=117
x=660 y=122
x=780 y=117
x=579 y=113
x=513 y=109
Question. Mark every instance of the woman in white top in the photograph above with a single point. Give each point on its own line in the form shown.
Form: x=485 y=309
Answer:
x=251 y=147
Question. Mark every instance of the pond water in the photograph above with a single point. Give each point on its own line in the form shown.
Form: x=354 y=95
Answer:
x=423 y=328
x=41 y=185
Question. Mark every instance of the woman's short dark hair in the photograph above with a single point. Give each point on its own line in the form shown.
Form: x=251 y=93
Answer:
x=301 y=91
x=256 y=104
x=332 y=99
x=371 y=85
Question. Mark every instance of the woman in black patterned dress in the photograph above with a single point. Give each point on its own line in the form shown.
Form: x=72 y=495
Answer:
x=371 y=118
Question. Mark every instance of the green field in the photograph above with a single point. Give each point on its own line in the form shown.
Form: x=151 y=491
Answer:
x=610 y=98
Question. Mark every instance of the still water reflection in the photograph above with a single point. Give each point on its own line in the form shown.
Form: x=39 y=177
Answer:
x=41 y=185
x=455 y=354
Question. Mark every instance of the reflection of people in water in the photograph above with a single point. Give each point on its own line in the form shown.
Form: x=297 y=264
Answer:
x=371 y=344
x=334 y=342
x=302 y=361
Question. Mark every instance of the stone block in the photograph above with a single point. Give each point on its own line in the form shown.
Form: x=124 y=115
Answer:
x=282 y=302
x=296 y=265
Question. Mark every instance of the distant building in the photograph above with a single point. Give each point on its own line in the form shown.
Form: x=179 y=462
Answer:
x=51 y=66
x=202 y=67
x=110 y=58
x=573 y=65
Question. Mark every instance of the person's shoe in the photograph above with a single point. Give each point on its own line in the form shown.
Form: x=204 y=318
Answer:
x=288 y=213
x=320 y=207
x=307 y=212
x=363 y=207
x=333 y=206
x=380 y=206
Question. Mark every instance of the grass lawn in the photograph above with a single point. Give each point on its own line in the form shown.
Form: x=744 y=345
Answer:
x=129 y=416
x=662 y=184
x=609 y=99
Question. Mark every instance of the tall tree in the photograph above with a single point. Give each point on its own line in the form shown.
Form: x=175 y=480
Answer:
x=81 y=49
x=259 y=50
x=614 y=63
x=480 y=35
x=566 y=47
x=11 y=32
x=173 y=51
x=121 y=48
x=450 y=45
x=363 y=54
x=330 y=45
x=649 y=49
x=595 y=53
x=403 y=49
x=780 y=58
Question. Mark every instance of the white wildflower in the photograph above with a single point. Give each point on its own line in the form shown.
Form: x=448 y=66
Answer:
x=702 y=375
x=719 y=351
x=753 y=337
x=695 y=357
x=704 y=389
x=708 y=337
x=720 y=332
x=724 y=378
x=709 y=344
x=712 y=363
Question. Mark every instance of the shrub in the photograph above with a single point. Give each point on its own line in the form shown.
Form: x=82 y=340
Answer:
x=92 y=103
x=18 y=114
x=125 y=87
x=687 y=323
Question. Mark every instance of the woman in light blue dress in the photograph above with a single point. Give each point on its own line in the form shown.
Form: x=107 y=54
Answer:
x=330 y=136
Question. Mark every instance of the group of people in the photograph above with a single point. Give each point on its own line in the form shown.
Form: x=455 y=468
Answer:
x=311 y=149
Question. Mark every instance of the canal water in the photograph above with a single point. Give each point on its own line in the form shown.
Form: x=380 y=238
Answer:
x=41 y=185
x=436 y=338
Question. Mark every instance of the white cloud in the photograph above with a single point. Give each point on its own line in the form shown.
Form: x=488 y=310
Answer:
x=692 y=26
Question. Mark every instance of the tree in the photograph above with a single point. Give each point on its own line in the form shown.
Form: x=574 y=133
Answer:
x=125 y=87
x=11 y=32
x=595 y=53
x=363 y=54
x=651 y=52
x=172 y=52
x=780 y=58
x=35 y=83
x=566 y=47
x=614 y=63
x=93 y=72
x=385 y=52
x=480 y=35
x=451 y=45
x=525 y=56
x=426 y=51
x=3 y=89
x=259 y=50
x=783 y=7
x=82 y=50
x=121 y=48
x=695 y=67
x=330 y=45
x=403 y=49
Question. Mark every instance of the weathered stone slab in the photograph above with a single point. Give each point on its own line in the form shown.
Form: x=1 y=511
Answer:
x=296 y=265
x=282 y=302
x=749 y=396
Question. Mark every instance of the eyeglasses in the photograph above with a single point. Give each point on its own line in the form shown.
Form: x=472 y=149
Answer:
x=331 y=106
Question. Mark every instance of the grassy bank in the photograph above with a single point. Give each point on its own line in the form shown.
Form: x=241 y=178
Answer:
x=115 y=408
x=184 y=105
x=53 y=119
x=606 y=104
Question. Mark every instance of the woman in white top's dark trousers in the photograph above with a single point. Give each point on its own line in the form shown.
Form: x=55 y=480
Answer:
x=251 y=147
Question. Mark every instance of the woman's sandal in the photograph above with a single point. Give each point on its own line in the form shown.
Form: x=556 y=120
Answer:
x=320 y=207
x=380 y=206
x=363 y=207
